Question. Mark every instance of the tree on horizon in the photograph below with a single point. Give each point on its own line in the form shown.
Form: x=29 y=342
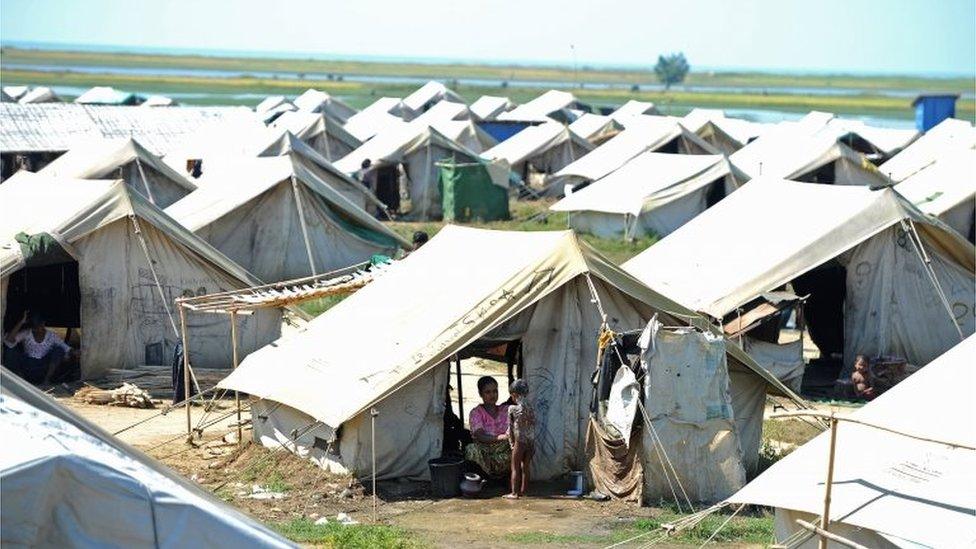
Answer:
x=671 y=69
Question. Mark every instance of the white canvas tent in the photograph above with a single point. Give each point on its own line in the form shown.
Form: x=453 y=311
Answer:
x=463 y=132
x=948 y=136
x=40 y=94
x=595 y=128
x=384 y=114
x=127 y=159
x=159 y=101
x=540 y=108
x=132 y=261
x=387 y=349
x=879 y=143
x=418 y=148
x=728 y=135
x=633 y=108
x=67 y=483
x=317 y=101
x=278 y=219
x=298 y=151
x=488 y=107
x=319 y=131
x=443 y=111
x=790 y=152
x=653 y=193
x=546 y=148
x=770 y=232
x=946 y=189
x=643 y=134
x=15 y=92
x=427 y=95
x=4 y=98
x=105 y=95
x=888 y=490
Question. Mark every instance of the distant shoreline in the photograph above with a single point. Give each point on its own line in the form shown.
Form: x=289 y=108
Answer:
x=497 y=63
x=208 y=81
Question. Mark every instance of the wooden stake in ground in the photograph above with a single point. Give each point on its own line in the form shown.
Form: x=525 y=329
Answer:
x=825 y=518
x=372 y=415
x=186 y=373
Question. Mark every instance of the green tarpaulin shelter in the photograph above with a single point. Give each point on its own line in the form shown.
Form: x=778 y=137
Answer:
x=468 y=192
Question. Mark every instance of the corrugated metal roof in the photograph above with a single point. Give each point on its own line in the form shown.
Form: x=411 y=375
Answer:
x=61 y=126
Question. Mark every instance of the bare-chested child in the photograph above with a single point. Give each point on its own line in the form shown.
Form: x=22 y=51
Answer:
x=521 y=435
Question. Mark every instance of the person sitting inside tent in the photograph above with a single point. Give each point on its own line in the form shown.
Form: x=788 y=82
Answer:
x=419 y=239
x=37 y=354
x=489 y=429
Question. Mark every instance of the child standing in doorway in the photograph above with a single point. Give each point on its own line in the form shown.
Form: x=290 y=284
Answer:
x=521 y=436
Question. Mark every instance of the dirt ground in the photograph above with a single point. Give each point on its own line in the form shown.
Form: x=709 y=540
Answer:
x=240 y=473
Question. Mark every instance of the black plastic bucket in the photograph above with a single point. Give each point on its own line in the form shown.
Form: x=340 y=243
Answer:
x=445 y=476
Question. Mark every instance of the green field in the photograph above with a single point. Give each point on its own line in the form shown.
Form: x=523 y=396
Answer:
x=325 y=75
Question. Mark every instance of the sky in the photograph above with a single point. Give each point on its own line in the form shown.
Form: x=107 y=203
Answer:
x=841 y=36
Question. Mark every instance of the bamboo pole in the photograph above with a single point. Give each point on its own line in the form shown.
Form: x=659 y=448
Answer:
x=186 y=373
x=832 y=537
x=826 y=415
x=237 y=395
x=825 y=517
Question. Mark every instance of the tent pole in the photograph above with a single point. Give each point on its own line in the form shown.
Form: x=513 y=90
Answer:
x=301 y=220
x=909 y=228
x=186 y=373
x=145 y=182
x=825 y=517
x=237 y=395
x=372 y=422
x=457 y=362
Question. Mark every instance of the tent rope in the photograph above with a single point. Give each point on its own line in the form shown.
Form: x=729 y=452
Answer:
x=719 y=529
x=659 y=443
x=152 y=269
x=145 y=182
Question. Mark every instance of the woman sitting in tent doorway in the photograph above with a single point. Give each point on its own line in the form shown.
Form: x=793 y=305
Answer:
x=489 y=427
x=37 y=354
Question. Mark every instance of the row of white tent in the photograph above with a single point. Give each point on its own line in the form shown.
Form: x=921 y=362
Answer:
x=98 y=95
x=271 y=205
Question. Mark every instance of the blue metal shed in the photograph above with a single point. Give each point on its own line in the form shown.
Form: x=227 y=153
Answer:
x=932 y=108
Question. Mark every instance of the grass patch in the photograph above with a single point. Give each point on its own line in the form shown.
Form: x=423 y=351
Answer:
x=790 y=431
x=741 y=529
x=744 y=528
x=318 y=306
x=532 y=215
x=543 y=538
x=303 y=530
